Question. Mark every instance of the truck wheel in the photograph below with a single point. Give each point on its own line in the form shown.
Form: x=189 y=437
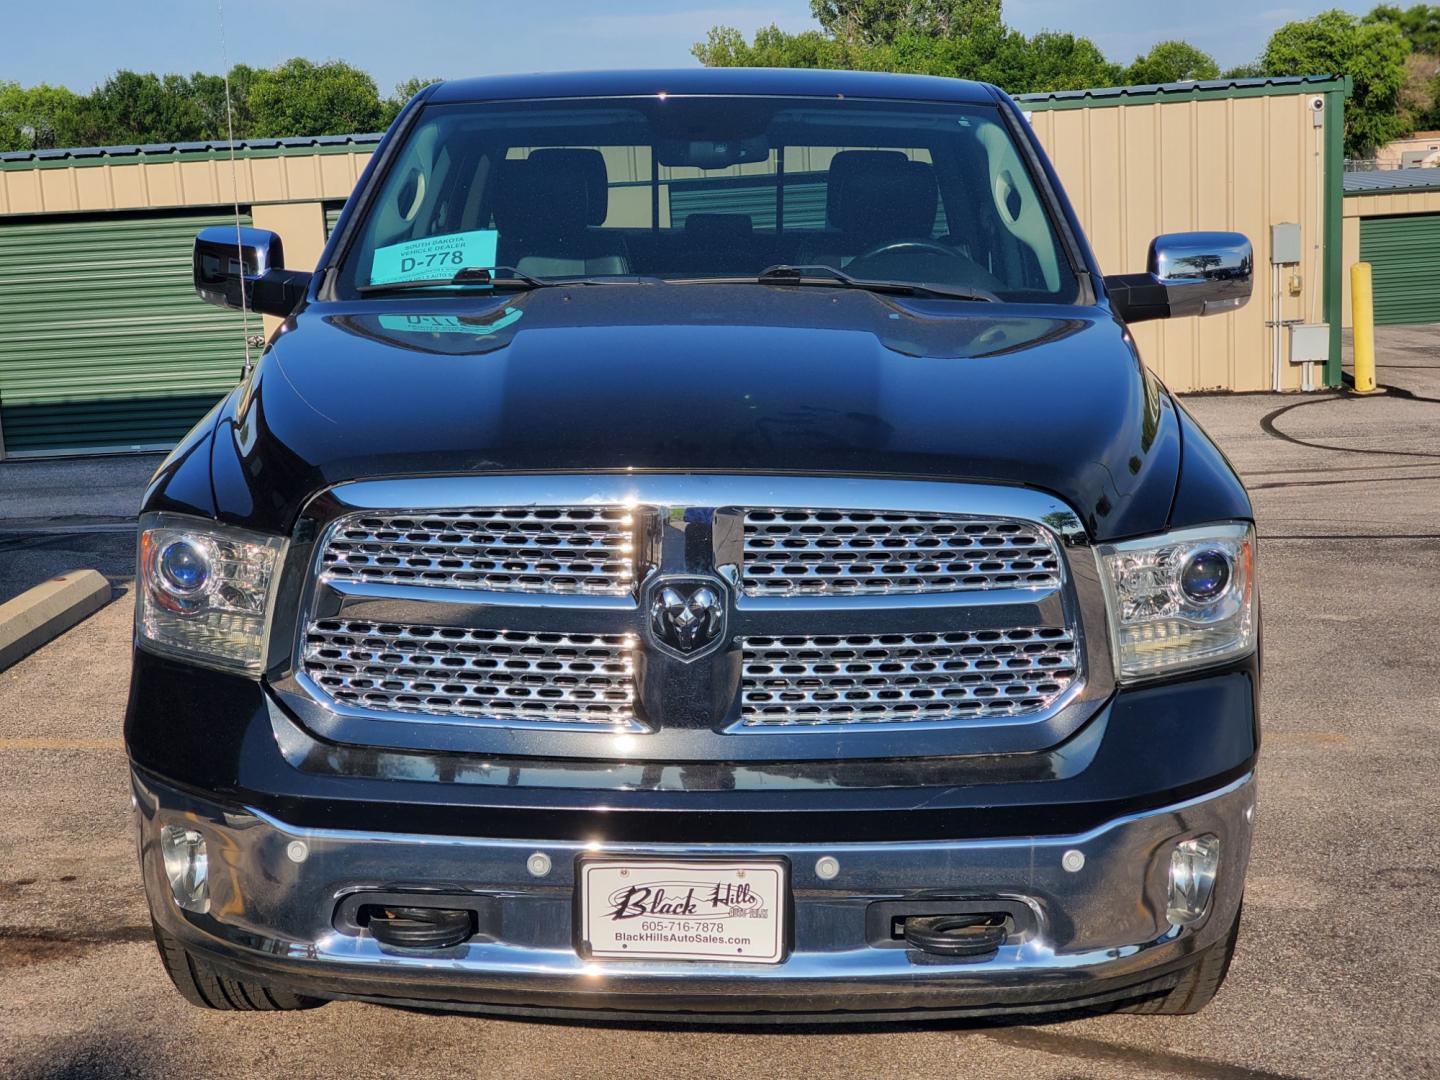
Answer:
x=1200 y=982
x=200 y=984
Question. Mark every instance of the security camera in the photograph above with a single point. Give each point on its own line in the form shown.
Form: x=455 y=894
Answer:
x=1318 y=104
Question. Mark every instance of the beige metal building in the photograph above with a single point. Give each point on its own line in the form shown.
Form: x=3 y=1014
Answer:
x=103 y=345
x=1242 y=155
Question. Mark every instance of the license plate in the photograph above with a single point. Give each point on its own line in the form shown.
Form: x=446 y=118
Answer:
x=638 y=909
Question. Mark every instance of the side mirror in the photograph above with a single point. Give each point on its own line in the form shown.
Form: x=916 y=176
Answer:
x=1199 y=273
x=248 y=270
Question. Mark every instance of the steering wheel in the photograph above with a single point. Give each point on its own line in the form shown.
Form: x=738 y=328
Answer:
x=890 y=246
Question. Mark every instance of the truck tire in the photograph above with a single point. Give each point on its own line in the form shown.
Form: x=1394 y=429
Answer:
x=1198 y=984
x=200 y=984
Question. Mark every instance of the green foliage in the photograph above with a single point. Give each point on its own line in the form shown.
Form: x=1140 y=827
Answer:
x=1392 y=55
x=38 y=117
x=1254 y=69
x=725 y=46
x=881 y=22
x=964 y=39
x=209 y=93
x=296 y=98
x=1372 y=53
x=404 y=91
x=303 y=98
x=1419 y=25
x=130 y=107
x=1050 y=61
x=1171 y=61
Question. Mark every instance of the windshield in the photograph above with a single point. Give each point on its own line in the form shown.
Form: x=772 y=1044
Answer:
x=710 y=188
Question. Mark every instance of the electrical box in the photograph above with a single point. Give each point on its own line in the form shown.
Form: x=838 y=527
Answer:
x=1309 y=343
x=1285 y=244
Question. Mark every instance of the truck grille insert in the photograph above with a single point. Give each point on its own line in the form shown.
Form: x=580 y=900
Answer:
x=563 y=550
x=500 y=674
x=687 y=608
x=800 y=552
x=888 y=678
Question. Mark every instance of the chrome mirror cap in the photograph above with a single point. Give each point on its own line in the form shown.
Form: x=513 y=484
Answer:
x=227 y=259
x=1203 y=273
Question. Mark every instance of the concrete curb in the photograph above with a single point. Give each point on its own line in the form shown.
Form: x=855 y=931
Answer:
x=48 y=610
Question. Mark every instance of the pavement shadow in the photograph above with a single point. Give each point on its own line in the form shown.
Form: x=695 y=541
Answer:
x=94 y=1057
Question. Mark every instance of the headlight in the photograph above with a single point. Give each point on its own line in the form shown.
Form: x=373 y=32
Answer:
x=1181 y=600
x=206 y=590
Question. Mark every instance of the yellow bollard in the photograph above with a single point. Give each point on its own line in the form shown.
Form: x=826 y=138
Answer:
x=1362 y=318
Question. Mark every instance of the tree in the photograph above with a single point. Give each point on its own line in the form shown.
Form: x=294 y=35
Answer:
x=1420 y=25
x=38 y=117
x=1420 y=96
x=724 y=46
x=964 y=39
x=1050 y=61
x=1372 y=53
x=404 y=91
x=303 y=98
x=133 y=108
x=1170 y=62
x=209 y=93
x=882 y=22
x=12 y=137
x=1253 y=69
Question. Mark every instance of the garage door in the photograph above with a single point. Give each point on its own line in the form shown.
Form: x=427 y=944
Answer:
x=1404 y=253
x=103 y=342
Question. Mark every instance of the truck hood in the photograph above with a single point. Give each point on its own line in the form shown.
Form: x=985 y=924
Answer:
x=715 y=378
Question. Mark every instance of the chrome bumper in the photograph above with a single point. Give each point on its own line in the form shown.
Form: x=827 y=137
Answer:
x=1098 y=932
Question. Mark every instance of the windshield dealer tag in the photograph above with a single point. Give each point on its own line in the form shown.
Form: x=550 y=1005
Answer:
x=434 y=256
x=453 y=324
x=637 y=909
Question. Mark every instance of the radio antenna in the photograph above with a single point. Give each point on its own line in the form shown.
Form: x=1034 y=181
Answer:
x=235 y=187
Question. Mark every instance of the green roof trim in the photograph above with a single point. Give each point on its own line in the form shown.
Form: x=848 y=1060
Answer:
x=163 y=153
x=1207 y=90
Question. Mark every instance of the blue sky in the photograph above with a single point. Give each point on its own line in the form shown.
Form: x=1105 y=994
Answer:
x=78 y=43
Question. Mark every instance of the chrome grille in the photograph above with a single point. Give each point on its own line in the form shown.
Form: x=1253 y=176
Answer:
x=886 y=678
x=820 y=551
x=564 y=550
x=501 y=674
x=518 y=601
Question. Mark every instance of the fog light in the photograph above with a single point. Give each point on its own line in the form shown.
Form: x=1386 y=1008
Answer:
x=186 y=866
x=1192 y=878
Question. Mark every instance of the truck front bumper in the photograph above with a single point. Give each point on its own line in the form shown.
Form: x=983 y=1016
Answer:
x=1097 y=927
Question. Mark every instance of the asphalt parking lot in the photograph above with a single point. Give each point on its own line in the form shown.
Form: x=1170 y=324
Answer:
x=1336 y=974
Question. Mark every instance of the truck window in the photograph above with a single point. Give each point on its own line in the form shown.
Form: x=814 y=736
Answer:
x=696 y=188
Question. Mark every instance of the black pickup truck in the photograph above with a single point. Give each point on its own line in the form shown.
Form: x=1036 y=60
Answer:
x=702 y=545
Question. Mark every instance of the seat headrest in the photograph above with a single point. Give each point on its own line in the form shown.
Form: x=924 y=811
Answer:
x=719 y=228
x=880 y=194
x=554 y=191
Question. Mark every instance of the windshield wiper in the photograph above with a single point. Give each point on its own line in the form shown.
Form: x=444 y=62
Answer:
x=468 y=275
x=785 y=274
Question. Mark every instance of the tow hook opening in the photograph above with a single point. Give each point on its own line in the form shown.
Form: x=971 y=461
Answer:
x=973 y=936
x=939 y=929
x=406 y=918
x=417 y=927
